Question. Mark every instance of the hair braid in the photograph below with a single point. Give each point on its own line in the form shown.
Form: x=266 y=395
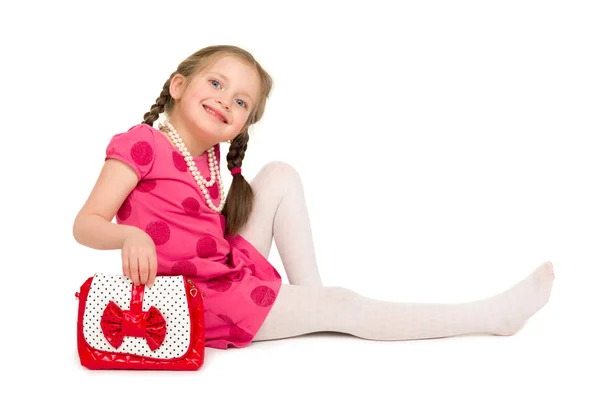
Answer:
x=237 y=150
x=161 y=102
x=240 y=198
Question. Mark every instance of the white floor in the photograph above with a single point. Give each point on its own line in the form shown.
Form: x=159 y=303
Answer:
x=551 y=365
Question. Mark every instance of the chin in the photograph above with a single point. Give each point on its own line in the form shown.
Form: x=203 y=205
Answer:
x=203 y=128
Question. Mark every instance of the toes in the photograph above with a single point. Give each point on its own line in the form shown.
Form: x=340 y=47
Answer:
x=549 y=269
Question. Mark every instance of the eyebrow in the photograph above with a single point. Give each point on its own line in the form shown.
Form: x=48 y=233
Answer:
x=227 y=79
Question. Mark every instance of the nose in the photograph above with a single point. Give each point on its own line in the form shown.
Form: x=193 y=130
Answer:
x=224 y=103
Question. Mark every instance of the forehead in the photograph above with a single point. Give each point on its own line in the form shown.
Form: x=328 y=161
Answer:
x=239 y=74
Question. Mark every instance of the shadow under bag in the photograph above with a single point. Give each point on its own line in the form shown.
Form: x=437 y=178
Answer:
x=122 y=326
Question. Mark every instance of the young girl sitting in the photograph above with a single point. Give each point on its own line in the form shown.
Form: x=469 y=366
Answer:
x=164 y=186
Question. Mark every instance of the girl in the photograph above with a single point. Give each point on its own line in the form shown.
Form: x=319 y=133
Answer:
x=164 y=186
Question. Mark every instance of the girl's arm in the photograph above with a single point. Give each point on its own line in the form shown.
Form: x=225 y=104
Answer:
x=92 y=226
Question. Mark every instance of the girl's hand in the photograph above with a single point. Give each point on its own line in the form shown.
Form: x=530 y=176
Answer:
x=138 y=253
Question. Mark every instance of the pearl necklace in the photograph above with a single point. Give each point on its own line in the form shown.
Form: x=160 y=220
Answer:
x=215 y=176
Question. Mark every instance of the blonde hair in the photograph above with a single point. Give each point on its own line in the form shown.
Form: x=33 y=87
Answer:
x=240 y=198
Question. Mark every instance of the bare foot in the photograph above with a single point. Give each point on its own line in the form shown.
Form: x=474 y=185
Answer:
x=516 y=305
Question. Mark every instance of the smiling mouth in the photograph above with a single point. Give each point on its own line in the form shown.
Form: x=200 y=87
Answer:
x=212 y=113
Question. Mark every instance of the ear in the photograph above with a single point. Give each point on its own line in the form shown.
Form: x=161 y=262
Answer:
x=177 y=86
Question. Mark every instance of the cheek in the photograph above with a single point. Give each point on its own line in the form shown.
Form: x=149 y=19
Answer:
x=194 y=98
x=194 y=94
x=187 y=101
x=241 y=118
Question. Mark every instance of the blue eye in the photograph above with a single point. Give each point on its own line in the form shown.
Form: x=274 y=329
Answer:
x=217 y=86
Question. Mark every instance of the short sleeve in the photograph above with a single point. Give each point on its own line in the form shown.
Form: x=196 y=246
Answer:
x=135 y=147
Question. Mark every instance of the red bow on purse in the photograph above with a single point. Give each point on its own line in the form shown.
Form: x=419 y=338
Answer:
x=117 y=323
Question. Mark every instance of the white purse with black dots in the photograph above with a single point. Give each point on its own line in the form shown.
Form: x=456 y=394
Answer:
x=122 y=326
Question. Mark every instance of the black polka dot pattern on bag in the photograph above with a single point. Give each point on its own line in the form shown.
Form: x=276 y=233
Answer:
x=167 y=295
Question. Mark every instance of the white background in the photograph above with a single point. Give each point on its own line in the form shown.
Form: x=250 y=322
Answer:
x=447 y=149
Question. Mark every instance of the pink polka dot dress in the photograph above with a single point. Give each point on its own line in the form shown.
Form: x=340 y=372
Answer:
x=238 y=282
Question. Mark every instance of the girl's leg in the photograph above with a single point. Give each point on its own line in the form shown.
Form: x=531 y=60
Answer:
x=280 y=212
x=300 y=310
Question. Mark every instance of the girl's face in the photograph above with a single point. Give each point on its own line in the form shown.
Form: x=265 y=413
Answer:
x=215 y=105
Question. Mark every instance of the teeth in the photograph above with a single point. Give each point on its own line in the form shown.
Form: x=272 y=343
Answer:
x=215 y=114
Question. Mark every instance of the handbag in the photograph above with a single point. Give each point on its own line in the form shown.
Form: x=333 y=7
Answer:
x=122 y=326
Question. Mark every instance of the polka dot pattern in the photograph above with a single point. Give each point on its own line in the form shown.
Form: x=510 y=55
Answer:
x=191 y=206
x=184 y=268
x=263 y=296
x=159 y=231
x=146 y=185
x=206 y=246
x=167 y=295
x=214 y=191
x=219 y=285
x=125 y=211
x=190 y=241
x=142 y=153
x=179 y=162
x=155 y=327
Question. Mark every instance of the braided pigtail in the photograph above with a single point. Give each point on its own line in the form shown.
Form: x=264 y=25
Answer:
x=162 y=102
x=240 y=198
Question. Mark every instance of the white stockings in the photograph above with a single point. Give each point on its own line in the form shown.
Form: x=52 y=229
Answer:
x=306 y=306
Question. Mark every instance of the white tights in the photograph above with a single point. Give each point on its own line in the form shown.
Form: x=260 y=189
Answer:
x=306 y=306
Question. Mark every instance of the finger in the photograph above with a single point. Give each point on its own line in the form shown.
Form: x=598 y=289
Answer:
x=125 y=261
x=144 y=266
x=134 y=269
x=153 y=270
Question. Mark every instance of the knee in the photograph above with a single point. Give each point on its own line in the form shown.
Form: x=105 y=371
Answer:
x=281 y=172
x=280 y=168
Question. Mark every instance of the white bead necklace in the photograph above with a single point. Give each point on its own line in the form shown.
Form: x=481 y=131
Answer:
x=215 y=176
